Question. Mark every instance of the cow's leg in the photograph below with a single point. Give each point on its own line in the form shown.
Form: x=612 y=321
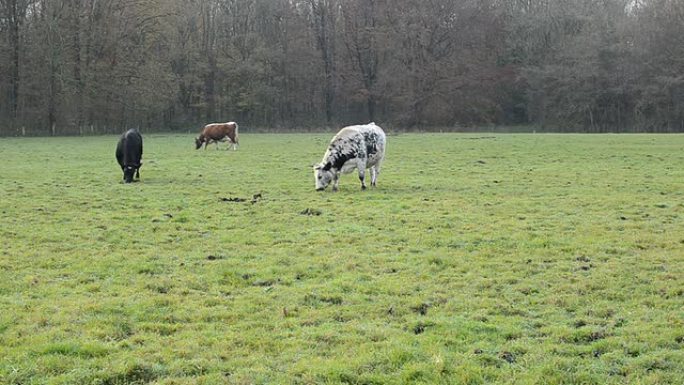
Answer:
x=375 y=171
x=362 y=178
x=336 y=181
x=227 y=140
x=137 y=173
x=361 y=165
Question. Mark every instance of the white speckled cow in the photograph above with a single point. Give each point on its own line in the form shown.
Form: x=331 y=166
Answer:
x=354 y=147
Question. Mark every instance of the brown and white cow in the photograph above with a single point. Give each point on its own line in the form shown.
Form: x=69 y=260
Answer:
x=218 y=132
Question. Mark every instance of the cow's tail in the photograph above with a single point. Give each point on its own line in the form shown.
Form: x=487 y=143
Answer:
x=237 y=141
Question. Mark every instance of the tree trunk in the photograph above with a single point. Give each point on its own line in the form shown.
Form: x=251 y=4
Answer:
x=324 y=28
x=14 y=15
x=77 y=63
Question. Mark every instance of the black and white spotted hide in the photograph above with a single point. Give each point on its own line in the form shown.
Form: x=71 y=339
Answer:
x=355 y=147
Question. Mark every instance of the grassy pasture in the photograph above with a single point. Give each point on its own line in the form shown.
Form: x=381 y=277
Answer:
x=479 y=259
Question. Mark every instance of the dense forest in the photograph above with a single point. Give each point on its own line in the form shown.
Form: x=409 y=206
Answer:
x=99 y=66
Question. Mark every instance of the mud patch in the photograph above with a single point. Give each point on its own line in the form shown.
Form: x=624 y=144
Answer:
x=233 y=199
x=311 y=212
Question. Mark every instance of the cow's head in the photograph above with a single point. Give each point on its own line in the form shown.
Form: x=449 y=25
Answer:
x=128 y=171
x=198 y=143
x=322 y=175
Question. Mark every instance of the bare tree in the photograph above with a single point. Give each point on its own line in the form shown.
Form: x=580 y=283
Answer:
x=360 y=36
x=88 y=66
x=323 y=20
x=13 y=14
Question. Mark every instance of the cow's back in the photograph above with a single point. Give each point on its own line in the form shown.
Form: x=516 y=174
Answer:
x=130 y=148
x=213 y=131
x=217 y=131
x=369 y=138
x=361 y=141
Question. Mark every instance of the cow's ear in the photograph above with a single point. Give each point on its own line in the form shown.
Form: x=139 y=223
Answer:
x=316 y=166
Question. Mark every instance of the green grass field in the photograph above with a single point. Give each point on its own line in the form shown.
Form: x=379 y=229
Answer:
x=479 y=259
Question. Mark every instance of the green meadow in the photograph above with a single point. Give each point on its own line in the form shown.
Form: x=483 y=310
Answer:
x=478 y=259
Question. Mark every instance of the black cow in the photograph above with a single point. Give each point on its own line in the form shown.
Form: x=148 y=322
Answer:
x=129 y=154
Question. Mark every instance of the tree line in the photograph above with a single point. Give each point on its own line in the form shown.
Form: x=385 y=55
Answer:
x=95 y=66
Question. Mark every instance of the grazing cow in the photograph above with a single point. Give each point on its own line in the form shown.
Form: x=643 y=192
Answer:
x=354 y=147
x=218 y=132
x=129 y=154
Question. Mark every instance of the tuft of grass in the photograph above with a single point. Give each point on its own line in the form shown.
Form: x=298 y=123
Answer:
x=519 y=259
x=87 y=350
